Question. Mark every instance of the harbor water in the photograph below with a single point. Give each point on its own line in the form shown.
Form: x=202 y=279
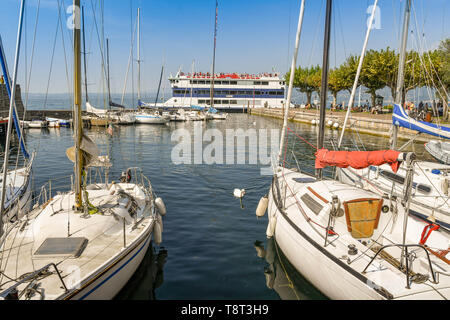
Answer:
x=214 y=246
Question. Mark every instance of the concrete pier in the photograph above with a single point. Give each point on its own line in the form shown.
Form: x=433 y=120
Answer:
x=373 y=124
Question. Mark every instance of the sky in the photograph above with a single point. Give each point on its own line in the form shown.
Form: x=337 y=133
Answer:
x=253 y=36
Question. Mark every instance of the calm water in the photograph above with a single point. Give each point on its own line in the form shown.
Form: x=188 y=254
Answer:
x=210 y=238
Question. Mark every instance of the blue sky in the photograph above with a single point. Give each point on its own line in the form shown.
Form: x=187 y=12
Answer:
x=253 y=36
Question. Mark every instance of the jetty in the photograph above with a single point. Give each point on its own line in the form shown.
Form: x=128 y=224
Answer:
x=363 y=122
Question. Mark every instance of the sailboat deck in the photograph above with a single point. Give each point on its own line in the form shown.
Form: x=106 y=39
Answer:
x=104 y=231
x=308 y=216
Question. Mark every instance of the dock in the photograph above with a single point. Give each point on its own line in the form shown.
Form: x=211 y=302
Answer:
x=363 y=122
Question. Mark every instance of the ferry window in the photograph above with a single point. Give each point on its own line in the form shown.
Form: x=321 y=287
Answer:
x=201 y=101
x=257 y=83
x=194 y=81
x=233 y=82
x=249 y=92
x=216 y=101
x=241 y=92
x=208 y=81
x=201 y=81
x=225 y=82
x=265 y=83
x=233 y=92
x=217 y=82
x=257 y=93
x=233 y=101
x=225 y=101
x=272 y=93
x=280 y=93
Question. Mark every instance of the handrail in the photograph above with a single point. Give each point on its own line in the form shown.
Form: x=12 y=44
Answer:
x=406 y=246
x=4 y=294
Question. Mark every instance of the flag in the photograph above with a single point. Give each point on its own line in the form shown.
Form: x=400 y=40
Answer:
x=110 y=129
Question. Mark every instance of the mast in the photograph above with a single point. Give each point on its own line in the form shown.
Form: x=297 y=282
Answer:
x=84 y=54
x=325 y=65
x=77 y=105
x=214 y=57
x=159 y=85
x=11 y=111
x=108 y=75
x=7 y=80
x=358 y=72
x=401 y=68
x=192 y=83
x=291 y=80
x=139 y=54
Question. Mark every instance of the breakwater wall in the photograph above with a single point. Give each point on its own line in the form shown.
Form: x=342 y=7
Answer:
x=373 y=124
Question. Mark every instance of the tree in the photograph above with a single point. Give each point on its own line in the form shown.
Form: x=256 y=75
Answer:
x=305 y=80
x=343 y=77
x=441 y=61
x=372 y=73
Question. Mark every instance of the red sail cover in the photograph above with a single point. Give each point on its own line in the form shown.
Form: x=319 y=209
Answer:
x=356 y=159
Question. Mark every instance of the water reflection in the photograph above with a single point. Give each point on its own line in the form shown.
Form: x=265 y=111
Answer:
x=282 y=277
x=148 y=277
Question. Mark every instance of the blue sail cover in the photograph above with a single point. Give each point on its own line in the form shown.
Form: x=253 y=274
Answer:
x=197 y=108
x=400 y=118
x=8 y=89
x=212 y=110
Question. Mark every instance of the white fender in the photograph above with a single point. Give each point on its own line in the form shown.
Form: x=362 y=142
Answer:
x=161 y=206
x=159 y=220
x=271 y=226
x=157 y=233
x=262 y=206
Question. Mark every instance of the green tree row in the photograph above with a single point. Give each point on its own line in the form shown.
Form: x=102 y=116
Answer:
x=379 y=70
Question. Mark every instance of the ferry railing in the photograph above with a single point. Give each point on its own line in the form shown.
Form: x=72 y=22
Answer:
x=407 y=255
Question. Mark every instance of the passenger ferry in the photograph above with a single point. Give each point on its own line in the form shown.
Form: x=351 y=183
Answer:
x=232 y=92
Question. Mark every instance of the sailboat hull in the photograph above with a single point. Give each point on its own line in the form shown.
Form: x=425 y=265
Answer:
x=150 y=119
x=322 y=270
x=107 y=282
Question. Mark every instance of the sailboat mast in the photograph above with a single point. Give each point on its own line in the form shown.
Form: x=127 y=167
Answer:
x=77 y=105
x=214 y=57
x=159 y=85
x=139 y=54
x=11 y=109
x=358 y=72
x=107 y=66
x=401 y=67
x=84 y=55
x=291 y=81
x=324 y=87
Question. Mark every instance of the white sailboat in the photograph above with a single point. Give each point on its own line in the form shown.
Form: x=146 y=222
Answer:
x=351 y=243
x=430 y=200
x=85 y=243
x=105 y=116
x=15 y=184
x=144 y=116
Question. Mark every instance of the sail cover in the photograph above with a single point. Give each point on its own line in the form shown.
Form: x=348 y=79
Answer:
x=357 y=159
x=400 y=118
